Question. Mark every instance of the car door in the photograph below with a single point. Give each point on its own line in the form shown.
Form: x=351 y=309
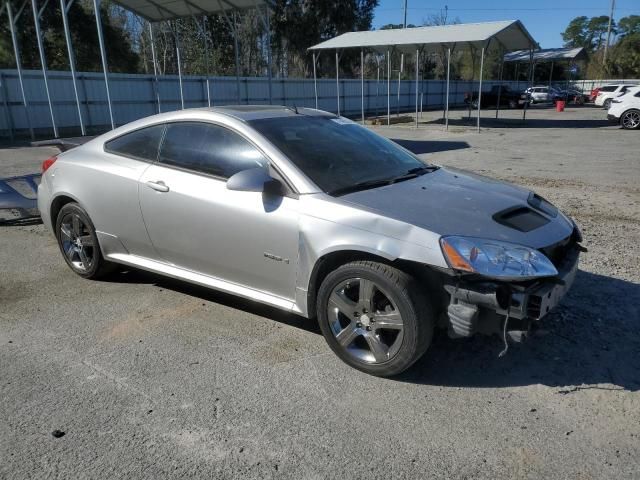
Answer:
x=196 y=223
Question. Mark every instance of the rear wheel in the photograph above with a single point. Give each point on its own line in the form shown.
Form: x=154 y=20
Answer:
x=374 y=317
x=79 y=244
x=607 y=104
x=630 y=120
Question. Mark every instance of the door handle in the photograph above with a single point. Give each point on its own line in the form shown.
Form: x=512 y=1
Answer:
x=158 y=186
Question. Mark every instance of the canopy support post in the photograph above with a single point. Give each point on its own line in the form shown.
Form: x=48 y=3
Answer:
x=550 y=75
x=37 y=14
x=446 y=117
x=103 y=56
x=315 y=78
x=529 y=81
x=64 y=9
x=155 y=66
x=205 y=34
x=362 y=84
x=417 y=82
x=179 y=62
x=338 y=80
x=236 y=50
x=388 y=87
x=500 y=85
x=16 y=51
x=264 y=17
x=399 y=76
x=480 y=87
x=377 y=84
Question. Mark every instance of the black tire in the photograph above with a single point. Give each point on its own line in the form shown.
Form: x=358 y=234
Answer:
x=83 y=257
x=630 y=120
x=407 y=300
x=607 y=104
x=474 y=103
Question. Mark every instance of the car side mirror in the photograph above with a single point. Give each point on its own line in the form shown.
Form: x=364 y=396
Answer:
x=254 y=180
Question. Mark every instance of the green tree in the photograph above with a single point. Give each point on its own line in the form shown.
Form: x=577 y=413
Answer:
x=629 y=25
x=575 y=35
x=84 y=37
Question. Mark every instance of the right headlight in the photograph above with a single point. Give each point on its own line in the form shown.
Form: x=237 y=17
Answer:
x=496 y=259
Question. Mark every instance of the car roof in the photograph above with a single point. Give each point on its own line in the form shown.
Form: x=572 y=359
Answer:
x=254 y=112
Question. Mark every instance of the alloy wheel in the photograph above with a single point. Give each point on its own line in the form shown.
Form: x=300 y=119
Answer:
x=365 y=321
x=77 y=242
x=631 y=120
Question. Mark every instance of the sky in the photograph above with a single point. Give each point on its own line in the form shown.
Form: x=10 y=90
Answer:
x=544 y=19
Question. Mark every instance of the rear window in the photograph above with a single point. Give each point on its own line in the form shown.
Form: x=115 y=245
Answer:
x=609 y=88
x=140 y=144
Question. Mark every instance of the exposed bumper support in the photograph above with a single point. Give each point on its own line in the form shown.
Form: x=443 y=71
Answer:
x=481 y=307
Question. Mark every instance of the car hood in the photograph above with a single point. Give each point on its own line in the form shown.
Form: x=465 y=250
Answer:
x=453 y=202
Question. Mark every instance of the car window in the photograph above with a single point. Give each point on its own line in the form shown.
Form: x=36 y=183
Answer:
x=142 y=143
x=610 y=88
x=637 y=94
x=336 y=153
x=208 y=149
x=624 y=89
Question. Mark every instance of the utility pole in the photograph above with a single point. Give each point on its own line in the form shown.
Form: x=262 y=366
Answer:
x=405 y=14
x=606 y=45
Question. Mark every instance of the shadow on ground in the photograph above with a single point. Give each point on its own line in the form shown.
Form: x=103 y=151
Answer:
x=592 y=338
x=430 y=146
x=488 y=120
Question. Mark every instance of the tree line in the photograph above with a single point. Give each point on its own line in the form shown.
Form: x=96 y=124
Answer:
x=207 y=43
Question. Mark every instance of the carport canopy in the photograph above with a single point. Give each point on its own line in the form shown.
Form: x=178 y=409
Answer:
x=547 y=55
x=159 y=10
x=509 y=34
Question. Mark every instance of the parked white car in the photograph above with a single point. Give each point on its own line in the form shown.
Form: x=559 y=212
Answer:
x=609 y=92
x=625 y=110
x=542 y=94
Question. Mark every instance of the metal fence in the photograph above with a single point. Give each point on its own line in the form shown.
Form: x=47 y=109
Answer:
x=135 y=96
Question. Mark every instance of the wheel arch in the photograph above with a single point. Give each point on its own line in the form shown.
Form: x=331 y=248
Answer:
x=328 y=262
x=59 y=201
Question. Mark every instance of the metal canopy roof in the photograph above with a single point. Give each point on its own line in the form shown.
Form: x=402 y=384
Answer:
x=158 y=10
x=547 y=55
x=510 y=33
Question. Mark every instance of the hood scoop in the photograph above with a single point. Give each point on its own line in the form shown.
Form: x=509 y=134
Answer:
x=521 y=218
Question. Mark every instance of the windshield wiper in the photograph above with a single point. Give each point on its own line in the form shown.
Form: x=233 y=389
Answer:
x=356 y=187
x=412 y=173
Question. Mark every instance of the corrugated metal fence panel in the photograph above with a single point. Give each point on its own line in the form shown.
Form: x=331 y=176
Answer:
x=135 y=96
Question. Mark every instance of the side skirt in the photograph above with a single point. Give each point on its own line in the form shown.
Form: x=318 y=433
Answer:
x=204 y=280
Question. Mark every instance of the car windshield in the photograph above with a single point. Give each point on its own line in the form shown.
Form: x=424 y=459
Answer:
x=339 y=155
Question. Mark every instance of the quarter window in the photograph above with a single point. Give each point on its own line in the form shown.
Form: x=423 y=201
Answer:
x=142 y=143
x=210 y=149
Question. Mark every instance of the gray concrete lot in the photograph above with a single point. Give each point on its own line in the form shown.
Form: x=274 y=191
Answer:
x=152 y=378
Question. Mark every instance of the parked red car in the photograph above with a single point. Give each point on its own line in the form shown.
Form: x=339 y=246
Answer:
x=594 y=94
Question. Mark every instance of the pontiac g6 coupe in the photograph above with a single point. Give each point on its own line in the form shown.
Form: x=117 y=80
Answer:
x=317 y=215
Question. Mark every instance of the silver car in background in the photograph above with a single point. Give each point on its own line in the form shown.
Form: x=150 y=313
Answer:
x=317 y=215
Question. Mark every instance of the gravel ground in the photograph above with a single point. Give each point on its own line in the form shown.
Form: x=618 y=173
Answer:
x=148 y=377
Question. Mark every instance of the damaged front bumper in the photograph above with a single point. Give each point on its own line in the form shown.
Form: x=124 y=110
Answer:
x=484 y=306
x=18 y=198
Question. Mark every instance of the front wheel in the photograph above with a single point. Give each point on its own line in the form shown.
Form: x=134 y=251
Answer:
x=374 y=317
x=630 y=120
x=79 y=244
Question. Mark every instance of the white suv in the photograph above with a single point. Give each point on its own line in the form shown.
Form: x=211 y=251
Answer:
x=625 y=110
x=609 y=92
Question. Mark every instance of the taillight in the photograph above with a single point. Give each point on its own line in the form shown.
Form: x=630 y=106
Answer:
x=48 y=162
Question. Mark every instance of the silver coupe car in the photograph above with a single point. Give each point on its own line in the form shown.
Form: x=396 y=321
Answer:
x=317 y=215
